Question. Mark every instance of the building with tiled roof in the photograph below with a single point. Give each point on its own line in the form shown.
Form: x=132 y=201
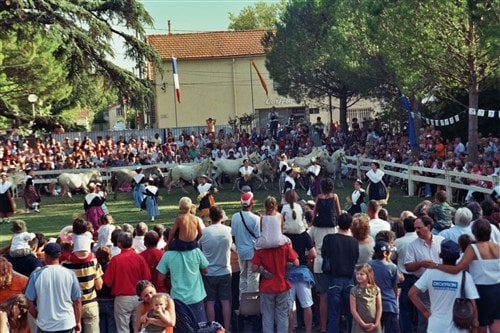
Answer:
x=217 y=80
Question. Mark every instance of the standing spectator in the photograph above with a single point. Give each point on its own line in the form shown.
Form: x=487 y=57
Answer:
x=123 y=273
x=274 y=287
x=215 y=244
x=11 y=282
x=31 y=196
x=443 y=289
x=463 y=217
x=89 y=273
x=206 y=192
x=186 y=268
x=7 y=204
x=365 y=302
x=325 y=215
x=301 y=277
x=54 y=295
x=376 y=224
x=105 y=299
x=342 y=250
x=361 y=231
x=152 y=254
x=459 y=147
x=407 y=311
x=319 y=128
x=386 y=278
x=211 y=125
x=273 y=122
x=245 y=228
x=139 y=232
x=421 y=253
x=483 y=261
x=376 y=188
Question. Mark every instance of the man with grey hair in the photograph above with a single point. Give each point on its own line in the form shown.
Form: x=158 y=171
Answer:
x=463 y=217
x=477 y=213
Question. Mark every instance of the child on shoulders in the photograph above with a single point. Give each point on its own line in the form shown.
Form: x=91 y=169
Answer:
x=186 y=231
x=271 y=225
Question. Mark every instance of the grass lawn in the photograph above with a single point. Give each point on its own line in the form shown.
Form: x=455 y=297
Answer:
x=56 y=214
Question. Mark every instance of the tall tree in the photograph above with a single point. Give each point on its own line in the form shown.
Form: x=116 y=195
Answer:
x=440 y=46
x=84 y=31
x=259 y=16
x=308 y=59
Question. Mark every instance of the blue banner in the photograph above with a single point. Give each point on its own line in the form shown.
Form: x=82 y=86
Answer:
x=411 y=127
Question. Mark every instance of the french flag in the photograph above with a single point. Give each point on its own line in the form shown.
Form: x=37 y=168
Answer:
x=176 y=80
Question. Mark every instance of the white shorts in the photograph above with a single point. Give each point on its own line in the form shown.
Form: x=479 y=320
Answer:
x=302 y=291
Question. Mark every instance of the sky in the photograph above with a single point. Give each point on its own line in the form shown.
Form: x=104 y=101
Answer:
x=190 y=16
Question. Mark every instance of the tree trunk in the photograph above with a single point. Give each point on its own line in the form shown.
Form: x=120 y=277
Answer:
x=416 y=107
x=343 y=114
x=472 y=141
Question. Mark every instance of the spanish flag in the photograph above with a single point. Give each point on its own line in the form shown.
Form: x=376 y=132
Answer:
x=262 y=82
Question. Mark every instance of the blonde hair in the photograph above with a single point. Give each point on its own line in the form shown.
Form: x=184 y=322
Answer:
x=159 y=298
x=5 y=273
x=270 y=204
x=367 y=269
x=185 y=204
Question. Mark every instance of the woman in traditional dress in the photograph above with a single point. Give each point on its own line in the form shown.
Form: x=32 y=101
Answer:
x=138 y=191
x=357 y=198
x=31 y=196
x=93 y=208
x=150 y=202
x=7 y=204
x=376 y=189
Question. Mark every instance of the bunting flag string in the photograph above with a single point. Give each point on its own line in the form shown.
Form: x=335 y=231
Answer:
x=456 y=118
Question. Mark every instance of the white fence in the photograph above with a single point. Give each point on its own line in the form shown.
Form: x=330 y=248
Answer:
x=448 y=179
x=412 y=175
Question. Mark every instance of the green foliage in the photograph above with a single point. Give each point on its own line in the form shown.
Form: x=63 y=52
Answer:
x=259 y=16
x=68 y=46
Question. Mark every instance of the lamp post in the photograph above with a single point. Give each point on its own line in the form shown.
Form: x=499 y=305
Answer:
x=32 y=98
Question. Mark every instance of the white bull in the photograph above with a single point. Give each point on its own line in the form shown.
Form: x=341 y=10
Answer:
x=188 y=173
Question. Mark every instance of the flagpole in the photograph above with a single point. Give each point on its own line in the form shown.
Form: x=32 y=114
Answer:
x=251 y=86
x=175 y=106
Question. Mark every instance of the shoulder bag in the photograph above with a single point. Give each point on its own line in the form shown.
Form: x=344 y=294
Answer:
x=463 y=311
x=246 y=227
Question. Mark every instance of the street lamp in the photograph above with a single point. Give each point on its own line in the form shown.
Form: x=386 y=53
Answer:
x=32 y=98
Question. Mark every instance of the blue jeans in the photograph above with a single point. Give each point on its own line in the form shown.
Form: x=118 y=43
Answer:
x=407 y=311
x=338 y=294
x=106 y=317
x=390 y=322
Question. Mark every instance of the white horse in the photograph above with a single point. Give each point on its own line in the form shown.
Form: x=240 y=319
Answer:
x=16 y=179
x=188 y=173
x=73 y=181
x=304 y=162
x=333 y=165
x=227 y=167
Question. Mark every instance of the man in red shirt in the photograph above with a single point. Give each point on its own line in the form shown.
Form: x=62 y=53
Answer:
x=152 y=255
x=122 y=274
x=274 y=286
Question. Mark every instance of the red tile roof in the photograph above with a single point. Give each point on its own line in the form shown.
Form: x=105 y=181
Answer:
x=214 y=44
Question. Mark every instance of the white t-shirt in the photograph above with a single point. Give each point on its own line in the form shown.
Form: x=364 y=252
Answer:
x=377 y=225
x=443 y=289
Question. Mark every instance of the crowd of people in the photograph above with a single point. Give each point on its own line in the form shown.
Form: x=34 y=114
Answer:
x=355 y=271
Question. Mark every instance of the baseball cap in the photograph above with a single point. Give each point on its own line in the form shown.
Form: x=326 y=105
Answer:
x=53 y=250
x=247 y=199
x=381 y=246
x=449 y=249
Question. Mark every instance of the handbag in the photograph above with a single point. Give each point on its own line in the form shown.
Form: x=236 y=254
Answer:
x=463 y=311
x=326 y=267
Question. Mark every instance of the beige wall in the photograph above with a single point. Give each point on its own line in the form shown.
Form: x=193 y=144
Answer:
x=217 y=88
